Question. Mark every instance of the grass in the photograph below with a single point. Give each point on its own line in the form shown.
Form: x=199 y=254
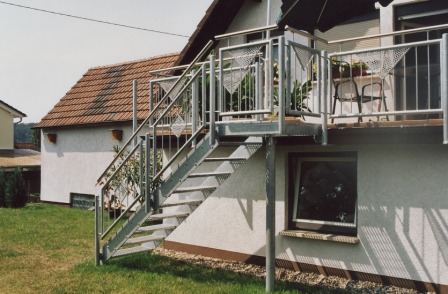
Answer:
x=50 y=249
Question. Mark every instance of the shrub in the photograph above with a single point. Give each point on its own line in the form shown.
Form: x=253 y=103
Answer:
x=16 y=191
x=2 y=188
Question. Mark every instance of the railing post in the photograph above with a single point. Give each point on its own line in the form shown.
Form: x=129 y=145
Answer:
x=444 y=84
x=288 y=78
x=194 y=107
x=151 y=101
x=204 y=95
x=281 y=86
x=142 y=166
x=325 y=84
x=148 y=173
x=97 y=233
x=212 y=98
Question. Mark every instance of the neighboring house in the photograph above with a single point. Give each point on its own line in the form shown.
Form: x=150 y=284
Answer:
x=7 y=116
x=26 y=159
x=347 y=186
x=77 y=142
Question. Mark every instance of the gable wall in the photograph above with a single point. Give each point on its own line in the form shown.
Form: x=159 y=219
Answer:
x=6 y=130
x=75 y=162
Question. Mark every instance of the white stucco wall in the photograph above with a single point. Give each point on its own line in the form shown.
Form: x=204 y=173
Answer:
x=6 y=130
x=402 y=214
x=75 y=162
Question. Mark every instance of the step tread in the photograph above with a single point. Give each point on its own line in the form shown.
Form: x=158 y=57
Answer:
x=168 y=215
x=133 y=250
x=193 y=189
x=211 y=174
x=143 y=239
x=225 y=159
x=155 y=228
x=182 y=202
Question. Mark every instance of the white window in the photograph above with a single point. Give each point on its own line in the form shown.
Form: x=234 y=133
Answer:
x=323 y=192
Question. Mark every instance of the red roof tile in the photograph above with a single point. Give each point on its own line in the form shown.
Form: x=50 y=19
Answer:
x=104 y=94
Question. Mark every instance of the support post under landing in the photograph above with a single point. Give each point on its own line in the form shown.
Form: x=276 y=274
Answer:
x=270 y=213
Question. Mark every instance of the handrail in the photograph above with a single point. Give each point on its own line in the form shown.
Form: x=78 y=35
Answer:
x=154 y=111
x=109 y=229
x=193 y=136
x=395 y=33
x=245 y=32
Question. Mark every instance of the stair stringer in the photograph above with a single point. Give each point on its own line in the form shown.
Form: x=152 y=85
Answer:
x=187 y=166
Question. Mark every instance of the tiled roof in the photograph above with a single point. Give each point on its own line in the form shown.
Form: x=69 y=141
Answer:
x=104 y=94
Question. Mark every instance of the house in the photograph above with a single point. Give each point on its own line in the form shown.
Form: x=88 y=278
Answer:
x=10 y=157
x=80 y=132
x=268 y=148
x=7 y=116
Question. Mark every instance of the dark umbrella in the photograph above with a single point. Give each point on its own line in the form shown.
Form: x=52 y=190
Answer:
x=323 y=14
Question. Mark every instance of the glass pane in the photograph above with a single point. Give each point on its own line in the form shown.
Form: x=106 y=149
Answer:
x=327 y=191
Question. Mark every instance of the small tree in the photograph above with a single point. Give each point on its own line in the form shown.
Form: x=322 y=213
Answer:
x=16 y=192
x=2 y=188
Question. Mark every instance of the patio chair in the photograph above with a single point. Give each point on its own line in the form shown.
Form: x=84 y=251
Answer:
x=346 y=90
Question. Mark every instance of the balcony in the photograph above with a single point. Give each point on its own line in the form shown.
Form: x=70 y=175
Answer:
x=282 y=87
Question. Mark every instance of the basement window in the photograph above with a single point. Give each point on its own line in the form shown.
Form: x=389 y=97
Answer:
x=323 y=192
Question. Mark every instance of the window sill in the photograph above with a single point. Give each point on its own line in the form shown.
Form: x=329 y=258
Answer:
x=320 y=236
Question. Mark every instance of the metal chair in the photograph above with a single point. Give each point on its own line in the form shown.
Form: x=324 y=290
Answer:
x=346 y=90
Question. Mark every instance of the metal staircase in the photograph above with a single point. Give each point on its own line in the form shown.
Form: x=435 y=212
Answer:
x=144 y=231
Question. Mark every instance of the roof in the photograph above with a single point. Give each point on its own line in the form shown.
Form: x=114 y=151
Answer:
x=23 y=158
x=216 y=21
x=104 y=94
x=16 y=113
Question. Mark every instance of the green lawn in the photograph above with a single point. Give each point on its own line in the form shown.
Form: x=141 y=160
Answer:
x=50 y=249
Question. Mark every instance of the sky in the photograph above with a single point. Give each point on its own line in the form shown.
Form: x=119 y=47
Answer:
x=43 y=55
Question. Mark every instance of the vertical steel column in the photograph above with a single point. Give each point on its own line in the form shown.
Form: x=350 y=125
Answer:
x=270 y=213
x=212 y=99
x=134 y=109
x=151 y=101
x=142 y=166
x=324 y=98
x=148 y=175
x=97 y=233
x=288 y=78
x=281 y=85
x=221 y=106
x=204 y=96
x=444 y=84
x=194 y=106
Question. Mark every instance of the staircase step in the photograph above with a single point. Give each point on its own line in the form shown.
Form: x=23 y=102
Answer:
x=154 y=228
x=133 y=250
x=182 y=202
x=210 y=159
x=194 y=189
x=214 y=174
x=167 y=215
x=144 y=239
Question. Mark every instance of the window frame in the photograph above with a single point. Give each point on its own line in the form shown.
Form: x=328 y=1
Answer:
x=295 y=169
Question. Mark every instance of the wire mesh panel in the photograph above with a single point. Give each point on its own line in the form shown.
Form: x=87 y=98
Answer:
x=241 y=80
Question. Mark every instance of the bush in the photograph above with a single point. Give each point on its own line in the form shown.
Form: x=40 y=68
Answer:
x=16 y=191
x=2 y=188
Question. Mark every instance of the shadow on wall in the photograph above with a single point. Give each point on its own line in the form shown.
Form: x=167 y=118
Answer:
x=412 y=247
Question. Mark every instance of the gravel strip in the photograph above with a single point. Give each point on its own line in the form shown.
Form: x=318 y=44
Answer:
x=320 y=281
